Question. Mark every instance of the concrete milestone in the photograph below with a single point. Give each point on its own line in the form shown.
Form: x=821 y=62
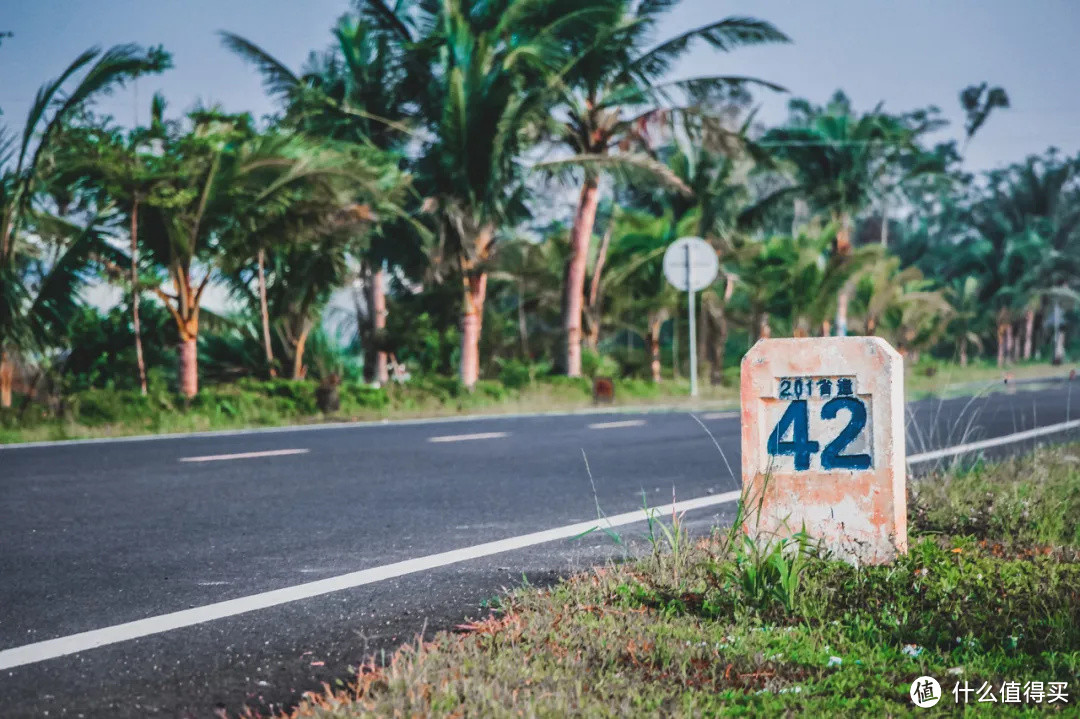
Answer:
x=823 y=444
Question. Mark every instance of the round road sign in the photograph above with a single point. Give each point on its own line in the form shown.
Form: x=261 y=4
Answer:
x=690 y=264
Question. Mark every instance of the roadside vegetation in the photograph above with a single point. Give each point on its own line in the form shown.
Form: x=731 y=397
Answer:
x=252 y=402
x=989 y=593
x=485 y=191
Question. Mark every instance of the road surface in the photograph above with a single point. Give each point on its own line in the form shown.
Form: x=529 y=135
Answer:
x=208 y=537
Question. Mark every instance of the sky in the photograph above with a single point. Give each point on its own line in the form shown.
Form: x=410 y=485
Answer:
x=906 y=54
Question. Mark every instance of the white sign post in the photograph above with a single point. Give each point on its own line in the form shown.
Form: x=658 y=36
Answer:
x=690 y=265
x=823 y=444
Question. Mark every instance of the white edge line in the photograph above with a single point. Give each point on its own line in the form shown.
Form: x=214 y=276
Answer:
x=244 y=455
x=62 y=646
x=615 y=425
x=628 y=409
x=993 y=442
x=467 y=437
x=719 y=415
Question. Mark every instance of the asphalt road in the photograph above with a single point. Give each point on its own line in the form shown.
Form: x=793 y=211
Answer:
x=98 y=534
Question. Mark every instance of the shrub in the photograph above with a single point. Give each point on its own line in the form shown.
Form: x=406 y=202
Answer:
x=515 y=374
x=594 y=364
x=355 y=395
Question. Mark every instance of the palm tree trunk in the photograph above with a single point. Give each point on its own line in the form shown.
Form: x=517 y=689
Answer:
x=471 y=326
x=1029 y=332
x=963 y=352
x=189 y=360
x=523 y=324
x=264 y=313
x=675 y=345
x=716 y=372
x=378 y=297
x=472 y=319
x=1059 y=346
x=135 y=295
x=715 y=339
x=1001 y=348
x=7 y=375
x=299 y=371
x=186 y=315
x=592 y=337
x=843 y=249
x=574 y=291
x=764 y=330
x=654 y=348
x=884 y=224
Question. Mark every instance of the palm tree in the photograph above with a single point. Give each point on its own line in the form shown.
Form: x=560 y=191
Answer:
x=841 y=161
x=978 y=101
x=634 y=285
x=494 y=67
x=963 y=295
x=304 y=238
x=122 y=170
x=228 y=183
x=609 y=96
x=1025 y=242
x=533 y=271
x=902 y=305
x=20 y=176
x=712 y=164
x=813 y=278
x=361 y=91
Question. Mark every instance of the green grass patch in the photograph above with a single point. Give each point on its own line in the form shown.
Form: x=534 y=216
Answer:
x=989 y=593
x=265 y=403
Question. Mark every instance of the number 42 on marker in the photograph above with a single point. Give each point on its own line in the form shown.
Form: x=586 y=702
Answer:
x=801 y=447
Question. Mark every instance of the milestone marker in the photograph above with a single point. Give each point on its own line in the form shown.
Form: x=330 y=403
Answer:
x=823 y=444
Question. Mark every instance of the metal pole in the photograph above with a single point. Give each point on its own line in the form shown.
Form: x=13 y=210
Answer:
x=693 y=327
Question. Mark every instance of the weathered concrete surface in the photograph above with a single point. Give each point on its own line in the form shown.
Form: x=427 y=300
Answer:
x=859 y=513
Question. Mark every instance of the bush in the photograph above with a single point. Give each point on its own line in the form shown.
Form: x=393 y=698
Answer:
x=515 y=374
x=639 y=388
x=594 y=364
x=358 y=396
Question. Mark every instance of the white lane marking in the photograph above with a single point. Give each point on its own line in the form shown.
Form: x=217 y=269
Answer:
x=614 y=425
x=994 y=442
x=719 y=415
x=244 y=455
x=62 y=646
x=467 y=437
x=628 y=409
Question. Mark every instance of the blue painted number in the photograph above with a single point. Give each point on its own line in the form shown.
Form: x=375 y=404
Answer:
x=831 y=457
x=800 y=446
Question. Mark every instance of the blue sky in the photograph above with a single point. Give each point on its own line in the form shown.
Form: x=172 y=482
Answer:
x=907 y=54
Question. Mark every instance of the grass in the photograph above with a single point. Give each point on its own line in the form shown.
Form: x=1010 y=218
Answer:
x=989 y=593
x=944 y=379
x=253 y=403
